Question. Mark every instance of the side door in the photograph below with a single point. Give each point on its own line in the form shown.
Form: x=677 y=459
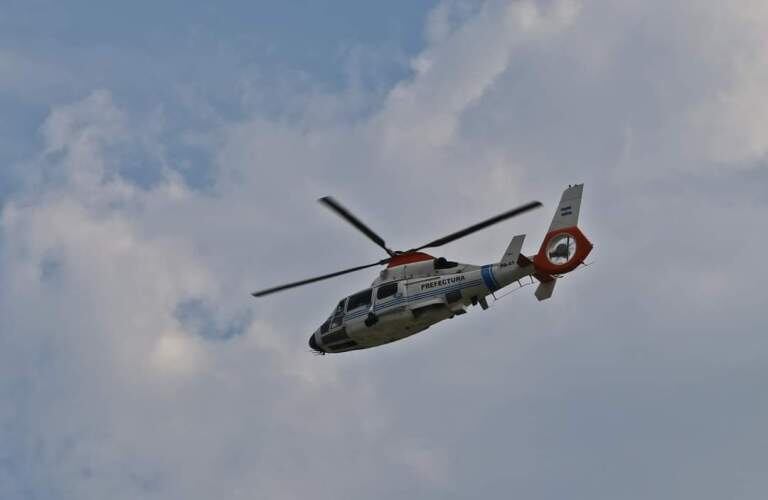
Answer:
x=389 y=297
x=359 y=305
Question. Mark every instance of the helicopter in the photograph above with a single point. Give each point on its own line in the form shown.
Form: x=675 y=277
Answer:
x=417 y=290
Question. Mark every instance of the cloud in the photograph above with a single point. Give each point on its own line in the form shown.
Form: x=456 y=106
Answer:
x=133 y=363
x=93 y=292
x=449 y=75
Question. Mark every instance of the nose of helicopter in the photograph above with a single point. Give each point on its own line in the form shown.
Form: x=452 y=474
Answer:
x=313 y=344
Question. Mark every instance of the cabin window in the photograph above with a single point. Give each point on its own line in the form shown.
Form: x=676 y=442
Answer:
x=386 y=290
x=360 y=299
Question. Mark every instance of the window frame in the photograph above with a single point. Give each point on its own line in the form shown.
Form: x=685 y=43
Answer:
x=369 y=291
x=341 y=307
x=396 y=285
x=337 y=321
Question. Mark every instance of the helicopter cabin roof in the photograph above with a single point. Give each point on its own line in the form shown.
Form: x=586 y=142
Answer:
x=408 y=258
x=410 y=266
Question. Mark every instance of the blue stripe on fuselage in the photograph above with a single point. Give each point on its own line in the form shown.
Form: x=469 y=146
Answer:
x=490 y=281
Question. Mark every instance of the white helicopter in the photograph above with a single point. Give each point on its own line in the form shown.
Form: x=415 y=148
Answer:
x=416 y=290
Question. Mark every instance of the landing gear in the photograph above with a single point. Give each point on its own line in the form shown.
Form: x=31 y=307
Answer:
x=480 y=300
x=371 y=320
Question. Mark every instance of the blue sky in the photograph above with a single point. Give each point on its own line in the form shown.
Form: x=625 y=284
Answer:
x=159 y=162
x=143 y=52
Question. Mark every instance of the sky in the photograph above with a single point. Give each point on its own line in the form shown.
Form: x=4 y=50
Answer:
x=160 y=162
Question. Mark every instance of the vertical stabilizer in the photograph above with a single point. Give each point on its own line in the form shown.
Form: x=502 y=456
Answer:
x=567 y=214
x=513 y=250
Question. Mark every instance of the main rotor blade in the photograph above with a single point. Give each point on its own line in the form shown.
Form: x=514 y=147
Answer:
x=347 y=215
x=480 y=225
x=268 y=291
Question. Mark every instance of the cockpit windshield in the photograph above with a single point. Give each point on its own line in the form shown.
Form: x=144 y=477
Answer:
x=324 y=327
x=340 y=308
x=337 y=317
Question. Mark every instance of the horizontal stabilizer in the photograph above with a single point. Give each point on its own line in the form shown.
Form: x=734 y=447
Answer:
x=524 y=261
x=545 y=289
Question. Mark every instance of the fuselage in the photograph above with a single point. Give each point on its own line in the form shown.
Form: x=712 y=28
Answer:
x=409 y=298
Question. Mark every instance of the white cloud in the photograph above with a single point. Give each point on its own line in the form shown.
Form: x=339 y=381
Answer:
x=114 y=395
x=735 y=116
x=456 y=72
x=93 y=278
